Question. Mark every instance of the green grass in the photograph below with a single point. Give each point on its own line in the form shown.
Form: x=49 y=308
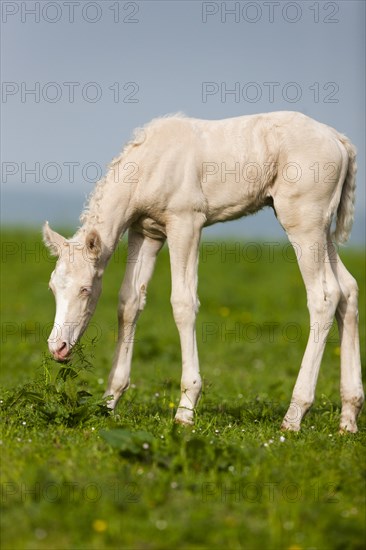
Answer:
x=75 y=477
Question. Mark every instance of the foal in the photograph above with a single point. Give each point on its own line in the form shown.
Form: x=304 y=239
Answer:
x=178 y=175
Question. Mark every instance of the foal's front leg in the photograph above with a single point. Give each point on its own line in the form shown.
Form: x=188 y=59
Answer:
x=183 y=239
x=142 y=253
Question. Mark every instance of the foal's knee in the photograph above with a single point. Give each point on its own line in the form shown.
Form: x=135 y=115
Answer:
x=184 y=309
x=127 y=311
x=130 y=306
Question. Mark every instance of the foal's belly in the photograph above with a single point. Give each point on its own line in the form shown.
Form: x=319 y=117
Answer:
x=230 y=201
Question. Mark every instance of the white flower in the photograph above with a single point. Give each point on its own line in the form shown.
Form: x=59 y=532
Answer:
x=40 y=534
x=161 y=524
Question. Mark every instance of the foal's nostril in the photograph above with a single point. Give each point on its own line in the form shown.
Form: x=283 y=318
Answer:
x=62 y=351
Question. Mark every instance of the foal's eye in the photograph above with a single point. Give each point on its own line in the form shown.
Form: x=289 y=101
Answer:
x=85 y=291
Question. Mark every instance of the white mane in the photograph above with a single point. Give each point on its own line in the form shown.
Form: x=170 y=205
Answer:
x=90 y=216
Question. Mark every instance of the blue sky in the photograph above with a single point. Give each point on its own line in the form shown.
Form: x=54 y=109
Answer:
x=100 y=69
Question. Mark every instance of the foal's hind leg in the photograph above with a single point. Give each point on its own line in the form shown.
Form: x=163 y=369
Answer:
x=323 y=294
x=347 y=318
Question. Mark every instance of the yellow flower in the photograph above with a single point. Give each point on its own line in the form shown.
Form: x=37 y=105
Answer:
x=224 y=311
x=99 y=525
x=171 y=405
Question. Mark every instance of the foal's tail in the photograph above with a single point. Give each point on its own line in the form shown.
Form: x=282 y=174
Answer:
x=346 y=208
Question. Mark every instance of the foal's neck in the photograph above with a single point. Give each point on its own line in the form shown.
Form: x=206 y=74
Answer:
x=109 y=211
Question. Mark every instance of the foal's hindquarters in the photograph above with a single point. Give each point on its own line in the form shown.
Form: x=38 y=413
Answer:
x=305 y=209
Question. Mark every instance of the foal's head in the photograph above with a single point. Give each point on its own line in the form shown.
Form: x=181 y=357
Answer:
x=76 y=283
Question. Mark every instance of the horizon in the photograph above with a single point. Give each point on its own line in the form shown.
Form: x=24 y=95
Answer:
x=76 y=82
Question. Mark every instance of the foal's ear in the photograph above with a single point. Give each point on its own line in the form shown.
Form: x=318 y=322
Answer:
x=52 y=240
x=94 y=244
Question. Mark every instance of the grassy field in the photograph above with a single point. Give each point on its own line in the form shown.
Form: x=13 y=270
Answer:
x=75 y=477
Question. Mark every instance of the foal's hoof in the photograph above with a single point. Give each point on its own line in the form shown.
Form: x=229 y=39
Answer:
x=184 y=417
x=287 y=426
x=348 y=428
x=183 y=422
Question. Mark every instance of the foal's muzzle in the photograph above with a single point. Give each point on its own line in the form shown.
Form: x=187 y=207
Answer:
x=62 y=353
